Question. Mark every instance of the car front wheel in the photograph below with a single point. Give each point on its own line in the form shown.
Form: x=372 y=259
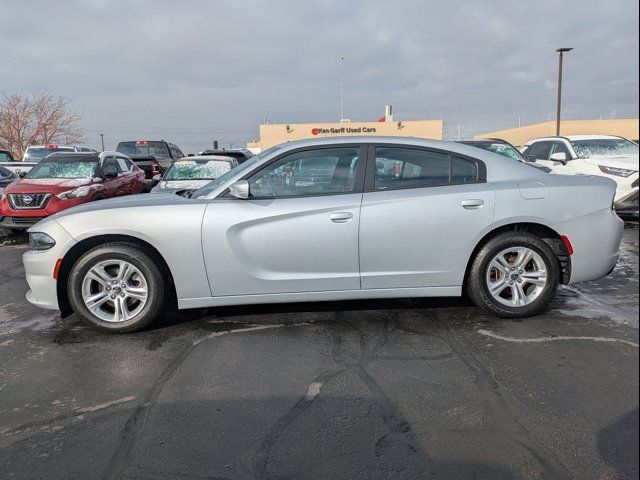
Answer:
x=116 y=287
x=514 y=275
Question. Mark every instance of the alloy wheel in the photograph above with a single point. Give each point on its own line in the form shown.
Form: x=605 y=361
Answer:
x=115 y=290
x=516 y=276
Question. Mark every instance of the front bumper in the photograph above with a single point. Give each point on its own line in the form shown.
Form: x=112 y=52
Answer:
x=39 y=266
x=19 y=223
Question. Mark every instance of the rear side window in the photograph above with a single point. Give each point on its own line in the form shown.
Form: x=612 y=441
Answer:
x=398 y=168
x=463 y=171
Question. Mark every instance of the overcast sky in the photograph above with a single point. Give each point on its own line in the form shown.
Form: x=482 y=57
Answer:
x=187 y=71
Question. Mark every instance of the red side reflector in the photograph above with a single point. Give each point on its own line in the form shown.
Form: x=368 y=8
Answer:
x=567 y=243
x=56 y=269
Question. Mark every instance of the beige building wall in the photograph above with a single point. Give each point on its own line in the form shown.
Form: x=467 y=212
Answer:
x=627 y=128
x=274 y=134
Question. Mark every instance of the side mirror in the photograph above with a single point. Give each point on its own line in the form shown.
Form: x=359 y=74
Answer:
x=22 y=174
x=157 y=177
x=559 y=157
x=240 y=189
x=531 y=158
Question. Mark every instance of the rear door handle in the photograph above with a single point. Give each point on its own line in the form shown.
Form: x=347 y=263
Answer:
x=472 y=204
x=341 y=217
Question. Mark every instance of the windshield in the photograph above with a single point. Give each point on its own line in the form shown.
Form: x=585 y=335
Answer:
x=38 y=153
x=604 y=146
x=210 y=187
x=501 y=149
x=61 y=167
x=144 y=149
x=197 y=170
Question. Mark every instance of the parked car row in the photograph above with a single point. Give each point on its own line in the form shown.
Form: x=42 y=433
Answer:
x=68 y=176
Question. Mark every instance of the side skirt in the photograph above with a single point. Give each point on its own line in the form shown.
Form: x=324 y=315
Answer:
x=328 y=296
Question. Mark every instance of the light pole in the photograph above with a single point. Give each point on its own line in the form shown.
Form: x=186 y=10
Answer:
x=341 y=102
x=560 y=51
x=102 y=140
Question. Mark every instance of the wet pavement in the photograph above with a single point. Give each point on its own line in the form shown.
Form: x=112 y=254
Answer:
x=400 y=389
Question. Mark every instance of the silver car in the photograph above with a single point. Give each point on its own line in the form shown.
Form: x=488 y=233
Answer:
x=331 y=219
x=192 y=173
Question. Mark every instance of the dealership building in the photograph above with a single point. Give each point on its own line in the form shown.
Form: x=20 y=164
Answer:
x=275 y=133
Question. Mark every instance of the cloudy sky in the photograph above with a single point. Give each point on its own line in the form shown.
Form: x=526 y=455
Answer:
x=188 y=71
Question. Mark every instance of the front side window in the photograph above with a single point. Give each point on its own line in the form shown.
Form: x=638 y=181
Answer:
x=540 y=150
x=122 y=163
x=559 y=147
x=5 y=157
x=311 y=172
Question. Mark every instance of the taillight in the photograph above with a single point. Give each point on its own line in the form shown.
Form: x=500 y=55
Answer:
x=51 y=147
x=567 y=243
x=155 y=168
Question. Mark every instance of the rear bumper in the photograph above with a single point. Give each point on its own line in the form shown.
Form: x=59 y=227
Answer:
x=596 y=243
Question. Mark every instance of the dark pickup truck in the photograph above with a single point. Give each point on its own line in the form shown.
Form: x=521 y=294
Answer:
x=163 y=152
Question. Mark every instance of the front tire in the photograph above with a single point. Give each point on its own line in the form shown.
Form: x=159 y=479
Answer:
x=514 y=275
x=116 y=287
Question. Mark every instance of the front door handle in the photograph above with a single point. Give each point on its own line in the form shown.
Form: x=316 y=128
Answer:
x=472 y=204
x=341 y=217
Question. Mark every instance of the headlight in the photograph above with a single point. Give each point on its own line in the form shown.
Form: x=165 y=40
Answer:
x=40 y=241
x=618 y=172
x=77 y=193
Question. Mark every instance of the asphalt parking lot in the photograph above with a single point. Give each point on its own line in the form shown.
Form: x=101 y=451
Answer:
x=358 y=390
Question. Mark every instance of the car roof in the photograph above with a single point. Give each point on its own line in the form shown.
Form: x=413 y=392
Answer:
x=571 y=138
x=205 y=158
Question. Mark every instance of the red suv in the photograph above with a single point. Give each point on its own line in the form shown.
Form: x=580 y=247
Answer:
x=64 y=180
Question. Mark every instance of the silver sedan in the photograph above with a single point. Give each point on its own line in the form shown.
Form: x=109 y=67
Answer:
x=331 y=219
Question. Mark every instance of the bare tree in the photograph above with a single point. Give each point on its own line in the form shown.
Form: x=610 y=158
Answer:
x=38 y=118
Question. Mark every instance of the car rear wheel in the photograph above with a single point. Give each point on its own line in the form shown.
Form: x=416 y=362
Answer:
x=116 y=287
x=514 y=275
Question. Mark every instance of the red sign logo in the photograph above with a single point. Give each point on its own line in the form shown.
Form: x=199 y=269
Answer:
x=315 y=131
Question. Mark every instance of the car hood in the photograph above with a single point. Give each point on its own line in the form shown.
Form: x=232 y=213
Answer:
x=47 y=185
x=132 y=201
x=630 y=162
x=174 y=185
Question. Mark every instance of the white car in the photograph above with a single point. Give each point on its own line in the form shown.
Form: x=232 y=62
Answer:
x=192 y=173
x=331 y=219
x=605 y=155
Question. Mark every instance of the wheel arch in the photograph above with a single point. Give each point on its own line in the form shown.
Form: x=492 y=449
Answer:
x=80 y=248
x=546 y=233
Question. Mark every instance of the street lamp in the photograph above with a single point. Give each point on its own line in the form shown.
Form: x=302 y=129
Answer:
x=102 y=140
x=560 y=51
x=341 y=102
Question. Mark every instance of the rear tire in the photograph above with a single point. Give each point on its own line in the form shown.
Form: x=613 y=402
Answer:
x=116 y=287
x=514 y=275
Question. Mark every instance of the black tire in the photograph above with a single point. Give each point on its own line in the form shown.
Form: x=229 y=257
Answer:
x=478 y=289
x=138 y=258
